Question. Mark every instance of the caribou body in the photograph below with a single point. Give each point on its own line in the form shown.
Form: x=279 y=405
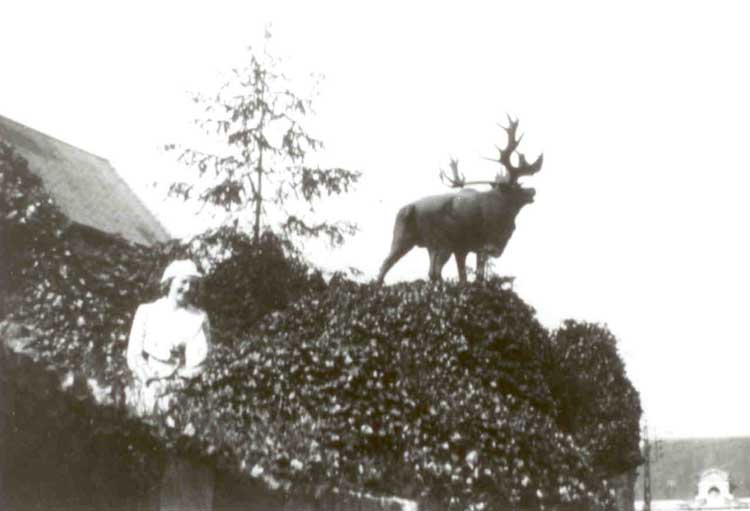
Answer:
x=466 y=221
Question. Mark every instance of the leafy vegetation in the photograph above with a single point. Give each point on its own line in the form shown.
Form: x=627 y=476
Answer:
x=429 y=391
x=61 y=450
x=597 y=403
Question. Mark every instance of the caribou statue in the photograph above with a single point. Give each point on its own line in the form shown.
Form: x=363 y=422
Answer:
x=468 y=220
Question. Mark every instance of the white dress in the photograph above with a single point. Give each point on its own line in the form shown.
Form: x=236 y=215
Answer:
x=164 y=341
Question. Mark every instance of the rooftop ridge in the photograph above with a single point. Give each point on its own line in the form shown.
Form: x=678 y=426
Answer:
x=76 y=148
x=138 y=198
x=142 y=213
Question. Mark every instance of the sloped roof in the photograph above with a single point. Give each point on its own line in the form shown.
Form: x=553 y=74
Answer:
x=679 y=464
x=85 y=186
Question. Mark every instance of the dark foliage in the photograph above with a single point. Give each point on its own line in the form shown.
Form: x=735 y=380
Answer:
x=596 y=401
x=258 y=278
x=434 y=392
x=61 y=450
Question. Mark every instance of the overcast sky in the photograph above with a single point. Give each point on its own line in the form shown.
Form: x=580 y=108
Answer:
x=641 y=109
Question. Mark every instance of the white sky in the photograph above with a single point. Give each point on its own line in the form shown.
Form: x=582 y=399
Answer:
x=641 y=109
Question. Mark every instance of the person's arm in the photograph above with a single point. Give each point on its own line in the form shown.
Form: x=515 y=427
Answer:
x=136 y=362
x=196 y=351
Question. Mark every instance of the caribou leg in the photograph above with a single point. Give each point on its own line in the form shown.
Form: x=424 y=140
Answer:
x=397 y=252
x=461 y=264
x=404 y=240
x=481 y=264
x=438 y=258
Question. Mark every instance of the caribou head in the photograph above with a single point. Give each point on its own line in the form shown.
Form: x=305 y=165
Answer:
x=508 y=180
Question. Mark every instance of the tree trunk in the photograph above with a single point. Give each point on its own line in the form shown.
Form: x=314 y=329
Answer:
x=259 y=197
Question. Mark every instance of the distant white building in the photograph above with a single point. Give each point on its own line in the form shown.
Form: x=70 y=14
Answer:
x=698 y=473
x=714 y=494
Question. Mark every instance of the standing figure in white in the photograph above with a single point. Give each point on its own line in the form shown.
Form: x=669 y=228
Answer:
x=168 y=345
x=169 y=340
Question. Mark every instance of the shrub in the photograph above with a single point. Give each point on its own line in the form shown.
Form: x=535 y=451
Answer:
x=434 y=392
x=596 y=401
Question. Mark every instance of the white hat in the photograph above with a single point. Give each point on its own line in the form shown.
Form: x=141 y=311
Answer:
x=181 y=268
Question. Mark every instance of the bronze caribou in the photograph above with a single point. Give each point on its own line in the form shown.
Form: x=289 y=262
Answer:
x=468 y=220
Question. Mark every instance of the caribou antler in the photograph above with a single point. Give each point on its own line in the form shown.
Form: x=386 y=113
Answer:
x=458 y=180
x=523 y=168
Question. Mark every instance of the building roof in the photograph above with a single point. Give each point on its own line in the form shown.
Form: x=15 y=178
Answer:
x=677 y=465
x=86 y=187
